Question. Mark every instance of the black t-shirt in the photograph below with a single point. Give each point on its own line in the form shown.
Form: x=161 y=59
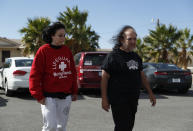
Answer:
x=125 y=75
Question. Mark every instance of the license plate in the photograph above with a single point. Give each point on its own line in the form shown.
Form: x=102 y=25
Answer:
x=100 y=73
x=176 y=80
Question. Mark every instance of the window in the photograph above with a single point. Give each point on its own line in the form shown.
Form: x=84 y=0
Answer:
x=7 y=63
x=167 y=66
x=149 y=66
x=94 y=59
x=5 y=54
x=145 y=66
x=23 y=63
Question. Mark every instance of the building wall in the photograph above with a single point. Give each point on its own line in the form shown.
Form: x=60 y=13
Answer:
x=14 y=52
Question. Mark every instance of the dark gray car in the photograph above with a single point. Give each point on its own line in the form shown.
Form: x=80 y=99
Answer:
x=167 y=76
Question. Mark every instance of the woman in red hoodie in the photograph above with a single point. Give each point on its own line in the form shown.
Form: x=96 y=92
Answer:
x=53 y=79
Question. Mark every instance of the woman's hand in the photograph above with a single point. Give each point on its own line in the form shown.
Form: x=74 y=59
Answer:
x=42 y=101
x=74 y=97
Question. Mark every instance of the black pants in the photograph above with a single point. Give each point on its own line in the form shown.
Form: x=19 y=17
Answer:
x=124 y=115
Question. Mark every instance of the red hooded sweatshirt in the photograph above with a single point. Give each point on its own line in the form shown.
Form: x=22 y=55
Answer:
x=53 y=70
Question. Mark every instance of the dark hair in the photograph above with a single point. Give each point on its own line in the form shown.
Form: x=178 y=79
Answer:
x=120 y=36
x=49 y=31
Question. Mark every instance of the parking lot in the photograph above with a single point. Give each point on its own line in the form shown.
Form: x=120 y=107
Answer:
x=173 y=112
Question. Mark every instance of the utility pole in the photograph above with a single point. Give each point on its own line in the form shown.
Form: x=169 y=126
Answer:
x=158 y=23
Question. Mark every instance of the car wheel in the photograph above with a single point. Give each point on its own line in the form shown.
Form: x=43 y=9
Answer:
x=7 y=91
x=183 y=90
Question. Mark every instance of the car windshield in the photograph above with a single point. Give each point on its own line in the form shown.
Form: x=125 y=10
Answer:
x=23 y=63
x=94 y=59
x=167 y=66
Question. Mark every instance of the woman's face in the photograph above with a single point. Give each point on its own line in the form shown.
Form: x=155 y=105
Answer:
x=129 y=40
x=59 y=37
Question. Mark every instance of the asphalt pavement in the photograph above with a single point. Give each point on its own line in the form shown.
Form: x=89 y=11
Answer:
x=173 y=112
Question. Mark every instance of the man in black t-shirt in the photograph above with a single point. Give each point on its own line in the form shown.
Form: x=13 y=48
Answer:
x=122 y=77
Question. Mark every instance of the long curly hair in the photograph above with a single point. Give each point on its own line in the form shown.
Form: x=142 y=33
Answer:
x=50 y=31
x=120 y=36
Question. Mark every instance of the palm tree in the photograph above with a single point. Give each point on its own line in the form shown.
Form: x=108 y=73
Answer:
x=142 y=50
x=162 y=41
x=33 y=34
x=80 y=37
x=185 y=47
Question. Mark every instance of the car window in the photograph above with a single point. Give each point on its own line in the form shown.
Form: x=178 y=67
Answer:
x=23 y=63
x=167 y=66
x=149 y=66
x=145 y=66
x=153 y=65
x=94 y=59
x=77 y=59
x=7 y=63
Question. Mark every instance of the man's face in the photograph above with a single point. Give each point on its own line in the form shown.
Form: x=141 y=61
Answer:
x=129 y=41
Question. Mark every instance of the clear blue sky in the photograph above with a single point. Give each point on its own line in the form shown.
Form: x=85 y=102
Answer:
x=105 y=16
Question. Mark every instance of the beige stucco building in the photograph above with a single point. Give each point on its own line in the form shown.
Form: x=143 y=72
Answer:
x=10 y=48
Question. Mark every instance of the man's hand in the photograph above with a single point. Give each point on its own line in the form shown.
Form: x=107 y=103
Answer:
x=152 y=99
x=42 y=101
x=105 y=105
x=147 y=87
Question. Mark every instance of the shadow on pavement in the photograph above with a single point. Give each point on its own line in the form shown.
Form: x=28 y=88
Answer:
x=80 y=97
x=97 y=94
x=161 y=94
x=144 y=95
x=175 y=93
x=91 y=93
x=27 y=96
x=23 y=95
x=3 y=102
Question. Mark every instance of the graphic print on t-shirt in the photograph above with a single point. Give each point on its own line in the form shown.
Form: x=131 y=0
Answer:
x=63 y=64
x=132 y=65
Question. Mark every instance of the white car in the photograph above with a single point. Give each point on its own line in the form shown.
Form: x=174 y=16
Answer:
x=15 y=74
